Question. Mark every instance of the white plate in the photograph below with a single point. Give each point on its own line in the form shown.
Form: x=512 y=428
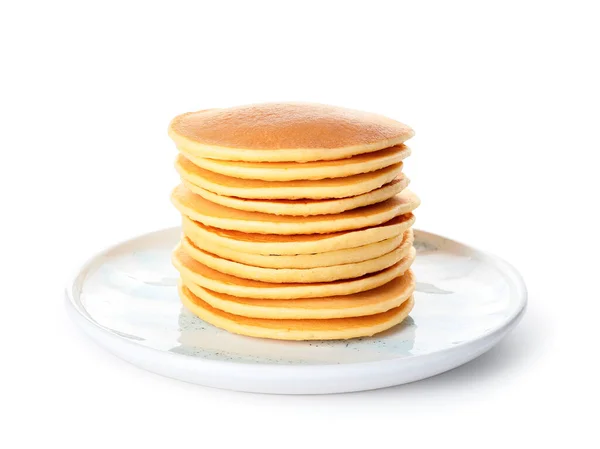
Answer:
x=125 y=298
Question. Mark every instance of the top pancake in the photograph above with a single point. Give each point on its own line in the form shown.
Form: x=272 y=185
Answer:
x=294 y=132
x=294 y=171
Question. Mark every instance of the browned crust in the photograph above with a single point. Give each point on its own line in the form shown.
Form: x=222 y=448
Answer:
x=280 y=126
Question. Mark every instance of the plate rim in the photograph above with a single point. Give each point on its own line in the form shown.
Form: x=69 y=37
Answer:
x=78 y=314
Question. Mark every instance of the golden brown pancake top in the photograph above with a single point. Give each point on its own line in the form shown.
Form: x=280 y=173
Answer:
x=279 y=126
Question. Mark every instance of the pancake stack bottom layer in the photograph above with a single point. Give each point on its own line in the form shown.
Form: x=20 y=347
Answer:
x=297 y=220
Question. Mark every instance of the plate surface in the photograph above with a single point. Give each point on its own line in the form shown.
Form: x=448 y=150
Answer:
x=125 y=298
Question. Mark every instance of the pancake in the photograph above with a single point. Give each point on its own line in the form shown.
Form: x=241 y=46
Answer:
x=305 y=207
x=194 y=271
x=289 y=190
x=270 y=244
x=326 y=259
x=274 y=132
x=305 y=329
x=293 y=171
x=371 y=302
x=215 y=215
x=298 y=275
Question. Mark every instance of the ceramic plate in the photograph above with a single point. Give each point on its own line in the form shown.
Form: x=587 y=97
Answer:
x=125 y=299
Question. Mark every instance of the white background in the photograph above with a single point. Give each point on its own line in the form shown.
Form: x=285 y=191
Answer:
x=504 y=98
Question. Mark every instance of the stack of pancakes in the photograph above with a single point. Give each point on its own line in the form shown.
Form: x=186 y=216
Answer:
x=296 y=220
